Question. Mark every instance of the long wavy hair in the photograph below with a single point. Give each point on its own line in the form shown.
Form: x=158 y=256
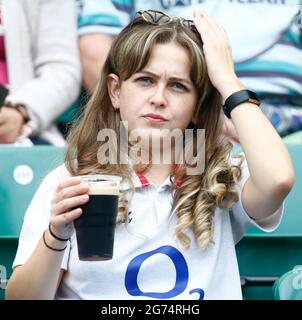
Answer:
x=196 y=198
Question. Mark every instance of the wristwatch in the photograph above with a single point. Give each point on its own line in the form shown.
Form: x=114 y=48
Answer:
x=237 y=98
x=21 y=108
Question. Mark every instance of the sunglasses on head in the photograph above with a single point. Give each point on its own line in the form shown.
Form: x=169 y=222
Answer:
x=156 y=17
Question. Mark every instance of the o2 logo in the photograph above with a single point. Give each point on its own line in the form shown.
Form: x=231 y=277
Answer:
x=181 y=268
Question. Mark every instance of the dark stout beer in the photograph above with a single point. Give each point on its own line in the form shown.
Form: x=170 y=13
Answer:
x=96 y=227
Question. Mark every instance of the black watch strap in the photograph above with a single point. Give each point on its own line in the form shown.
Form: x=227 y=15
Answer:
x=237 y=98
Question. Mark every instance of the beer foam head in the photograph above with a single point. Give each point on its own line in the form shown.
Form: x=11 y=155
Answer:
x=103 y=187
x=102 y=184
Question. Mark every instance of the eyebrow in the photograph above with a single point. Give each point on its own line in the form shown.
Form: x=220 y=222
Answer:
x=184 y=80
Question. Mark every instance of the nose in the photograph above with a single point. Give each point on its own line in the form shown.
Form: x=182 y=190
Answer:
x=158 y=97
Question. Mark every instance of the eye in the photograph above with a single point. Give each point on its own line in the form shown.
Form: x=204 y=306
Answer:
x=144 y=80
x=179 y=86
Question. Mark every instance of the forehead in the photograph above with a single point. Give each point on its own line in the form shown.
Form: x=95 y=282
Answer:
x=169 y=58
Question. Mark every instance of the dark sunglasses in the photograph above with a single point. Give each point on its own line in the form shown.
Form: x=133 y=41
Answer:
x=156 y=17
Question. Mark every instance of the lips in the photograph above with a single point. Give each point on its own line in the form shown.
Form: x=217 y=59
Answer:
x=155 y=117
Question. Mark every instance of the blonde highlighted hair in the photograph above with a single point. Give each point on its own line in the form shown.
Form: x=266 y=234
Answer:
x=197 y=197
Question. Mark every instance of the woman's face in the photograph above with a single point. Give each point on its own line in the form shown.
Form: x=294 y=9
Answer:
x=161 y=96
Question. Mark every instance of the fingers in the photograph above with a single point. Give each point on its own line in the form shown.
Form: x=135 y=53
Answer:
x=70 y=188
x=65 y=219
x=208 y=27
x=68 y=204
x=69 y=194
x=68 y=182
x=202 y=27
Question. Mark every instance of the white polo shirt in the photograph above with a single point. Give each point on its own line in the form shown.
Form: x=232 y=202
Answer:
x=148 y=262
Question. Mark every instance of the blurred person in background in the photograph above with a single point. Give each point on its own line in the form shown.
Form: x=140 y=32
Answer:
x=40 y=70
x=265 y=36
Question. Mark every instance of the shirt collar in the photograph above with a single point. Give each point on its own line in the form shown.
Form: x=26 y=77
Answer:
x=140 y=181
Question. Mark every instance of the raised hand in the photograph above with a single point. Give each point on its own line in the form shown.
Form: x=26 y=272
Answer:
x=218 y=54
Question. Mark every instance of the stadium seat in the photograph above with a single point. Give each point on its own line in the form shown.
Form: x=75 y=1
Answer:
x=289 y=285
x=21 y=171
x=264 y=257
x=293 y=138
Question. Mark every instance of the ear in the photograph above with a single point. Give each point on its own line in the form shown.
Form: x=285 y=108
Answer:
x=113 y=87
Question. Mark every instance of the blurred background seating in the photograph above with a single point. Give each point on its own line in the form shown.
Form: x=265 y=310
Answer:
x=264 y=257
x=289 y=285
x=21 y=171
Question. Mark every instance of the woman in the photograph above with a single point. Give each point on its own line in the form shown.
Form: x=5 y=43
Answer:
x=161 y=74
